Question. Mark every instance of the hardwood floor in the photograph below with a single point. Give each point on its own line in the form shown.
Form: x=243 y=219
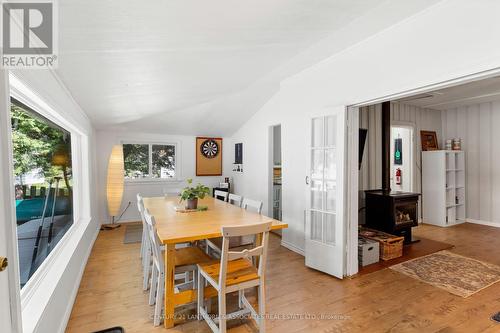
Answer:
x=384 y=301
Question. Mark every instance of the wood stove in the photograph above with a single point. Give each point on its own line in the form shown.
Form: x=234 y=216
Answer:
x=392 y=212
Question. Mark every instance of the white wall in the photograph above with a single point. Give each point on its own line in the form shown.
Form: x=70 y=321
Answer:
x=187 y=165
x=48 y=308
x=478 y=126
x=365 y=71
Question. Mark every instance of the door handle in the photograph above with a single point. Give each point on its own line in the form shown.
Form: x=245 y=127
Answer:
x=3 y=264
x=307 y=180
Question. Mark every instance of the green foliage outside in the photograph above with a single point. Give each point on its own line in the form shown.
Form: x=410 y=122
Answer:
x=39 y=146
x=136 y=160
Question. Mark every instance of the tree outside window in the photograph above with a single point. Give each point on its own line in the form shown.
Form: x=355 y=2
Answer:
x=153 y=161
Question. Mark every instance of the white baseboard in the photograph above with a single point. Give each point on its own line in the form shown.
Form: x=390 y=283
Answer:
x=292 y=247
x=488 y=223
x=74 y=292
x=123 y=221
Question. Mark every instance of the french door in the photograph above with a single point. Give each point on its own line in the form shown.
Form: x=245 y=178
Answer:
x=325 y=240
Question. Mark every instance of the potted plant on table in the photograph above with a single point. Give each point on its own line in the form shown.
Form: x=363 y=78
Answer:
x=191 y=194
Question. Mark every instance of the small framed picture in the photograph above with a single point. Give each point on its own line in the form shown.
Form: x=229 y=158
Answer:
x=429 y=140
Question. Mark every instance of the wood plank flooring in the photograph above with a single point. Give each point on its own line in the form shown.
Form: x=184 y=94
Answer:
x=297 y=297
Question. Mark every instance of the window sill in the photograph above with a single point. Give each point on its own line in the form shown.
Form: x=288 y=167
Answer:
x=157 y=181
x=39 y=289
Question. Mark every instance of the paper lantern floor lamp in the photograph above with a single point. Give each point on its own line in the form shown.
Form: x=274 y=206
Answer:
x=115 y=184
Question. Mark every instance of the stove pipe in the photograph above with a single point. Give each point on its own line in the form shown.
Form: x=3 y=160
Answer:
x=386 y=146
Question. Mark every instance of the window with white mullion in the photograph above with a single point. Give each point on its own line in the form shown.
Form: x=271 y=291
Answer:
x=150 y=161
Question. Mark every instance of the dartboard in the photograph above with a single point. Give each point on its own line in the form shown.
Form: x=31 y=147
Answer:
x=209 y=148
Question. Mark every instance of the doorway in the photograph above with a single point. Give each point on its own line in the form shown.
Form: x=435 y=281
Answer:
x=275 y=189
x=402 y=150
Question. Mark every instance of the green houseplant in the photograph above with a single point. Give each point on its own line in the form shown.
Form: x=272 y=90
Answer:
x=191 y=194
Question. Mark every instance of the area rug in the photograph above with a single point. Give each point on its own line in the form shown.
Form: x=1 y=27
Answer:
x=454 y=273
x=133 y=234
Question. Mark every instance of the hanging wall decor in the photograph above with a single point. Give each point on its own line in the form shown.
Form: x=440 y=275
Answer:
x=398 y=151
x=208 y=156
x=429 y=140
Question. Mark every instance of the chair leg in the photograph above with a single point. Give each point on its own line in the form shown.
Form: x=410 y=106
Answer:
x=152 y=288
x=159 y=299
x=262 y=307
x=147 y=269
x=142 y=242
x=201 y=290
x=222 y=311
x=240 y=298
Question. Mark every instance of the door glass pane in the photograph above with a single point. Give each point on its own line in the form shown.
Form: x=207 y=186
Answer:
x=331 y=131
x=317 y=164
x=317 y=194
x=317 y=132
x=330 y=164
x=329 y=227
x=330 y=193
x=316 y=225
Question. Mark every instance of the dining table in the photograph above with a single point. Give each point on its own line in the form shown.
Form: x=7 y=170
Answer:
x=175 y=225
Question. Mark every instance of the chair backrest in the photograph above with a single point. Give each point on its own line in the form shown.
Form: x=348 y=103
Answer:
x=140 y=205
x=252 y=204
x=235 y=199
x=154 y=240
x=259 y=250
x=221 y=195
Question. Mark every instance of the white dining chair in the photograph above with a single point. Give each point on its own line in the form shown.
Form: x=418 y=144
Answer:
x=146 y=251
x=221 y=195
x=235 y=272
x=254 y=205
x=234 y=199
x=186 y=260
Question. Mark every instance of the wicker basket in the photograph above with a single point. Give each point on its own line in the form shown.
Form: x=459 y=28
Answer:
x=390 y=246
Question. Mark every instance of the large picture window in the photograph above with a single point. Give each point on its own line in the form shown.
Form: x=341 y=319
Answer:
x=149 y=161
x=43 y=186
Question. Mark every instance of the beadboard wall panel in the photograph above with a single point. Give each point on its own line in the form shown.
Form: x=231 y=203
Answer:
x=477 y=125
x=370 y=176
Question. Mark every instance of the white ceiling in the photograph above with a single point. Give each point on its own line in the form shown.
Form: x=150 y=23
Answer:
x=165 y=66
x=159 y=65
x=482 y=91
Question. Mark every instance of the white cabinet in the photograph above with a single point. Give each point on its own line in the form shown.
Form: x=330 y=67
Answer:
x=443 y=187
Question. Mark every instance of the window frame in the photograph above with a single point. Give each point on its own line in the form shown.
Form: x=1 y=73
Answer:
x=149 y=178
x=33 y=293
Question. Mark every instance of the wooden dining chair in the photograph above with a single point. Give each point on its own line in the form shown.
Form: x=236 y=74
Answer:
x=221 y=195
x=234 y=199
x=254 y=205
x=235 y=272
x=214 y=245
x=186 y=260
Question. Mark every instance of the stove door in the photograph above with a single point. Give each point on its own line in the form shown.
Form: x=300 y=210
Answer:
x=324 y=243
